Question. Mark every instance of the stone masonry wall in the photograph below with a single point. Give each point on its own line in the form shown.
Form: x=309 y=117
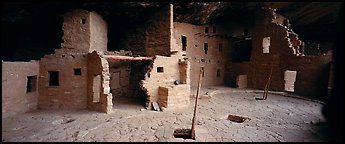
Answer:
x=283 y=54
x=15 y=98
x=164 y=72
x=213 y=62
x=172 y=97
x=153 y=37
x=71 y=92
x=76 y=30
x=100 y=99
x=98 y=33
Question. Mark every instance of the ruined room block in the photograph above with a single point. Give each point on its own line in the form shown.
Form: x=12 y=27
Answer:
x=241 y=81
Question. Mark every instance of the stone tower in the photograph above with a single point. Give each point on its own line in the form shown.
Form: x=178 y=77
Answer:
x=85 y=31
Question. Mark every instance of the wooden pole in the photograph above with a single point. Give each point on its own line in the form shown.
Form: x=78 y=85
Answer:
x=267 y=87
x=196 y=103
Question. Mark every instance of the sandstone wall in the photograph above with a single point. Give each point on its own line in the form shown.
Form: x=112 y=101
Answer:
x=15 y=97
x=72 y=89
x=213 y=61
x=98 y=95
x=98 y=33
x=153 y=37
x=76 y=30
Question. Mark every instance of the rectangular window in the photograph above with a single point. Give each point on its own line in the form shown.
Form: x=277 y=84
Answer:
x=266 y=42
x=53 y=78
x=220 y=47
x=160 y=69
x=83 y=21
x=214 y=29
x=184 y=43
x=206 y=29
x=205 y=47
x=77 y=71
x=31 y=83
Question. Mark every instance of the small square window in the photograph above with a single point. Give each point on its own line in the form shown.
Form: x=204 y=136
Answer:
x=160 y=69
x=77 y=71
x=206 y=29
x=83 y=21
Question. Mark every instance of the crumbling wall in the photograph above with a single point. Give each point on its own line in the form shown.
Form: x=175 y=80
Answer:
x=280 y=49
x=153 y=37
x=17 y=96
x=98 y=33
x=277 y=48
x=207 y=50
x=69 y=89
x=99 y=97
x=165 y=71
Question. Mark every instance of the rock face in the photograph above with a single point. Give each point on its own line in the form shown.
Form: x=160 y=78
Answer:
x=314 y=22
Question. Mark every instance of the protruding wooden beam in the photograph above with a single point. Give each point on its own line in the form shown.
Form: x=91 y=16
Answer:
x=117 y=57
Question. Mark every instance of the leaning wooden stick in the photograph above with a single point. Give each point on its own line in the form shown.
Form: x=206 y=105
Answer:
x=196 y=103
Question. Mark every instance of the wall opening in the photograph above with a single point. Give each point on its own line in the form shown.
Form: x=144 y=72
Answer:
x=96 y=88
x=115 y=81
x=83 y=21
x=203 y=71
x=53 y=78
x=31 y=83
x=214 y=29
x=220 y=47
x=206 y=29
x=77 y=71
x=218 y=72
x=184 y=42
x=183 y=66
x=160 y=69
x=245 y=32
x=266 y=42
x=205 y=47
x=290 y=78
x=241 y=51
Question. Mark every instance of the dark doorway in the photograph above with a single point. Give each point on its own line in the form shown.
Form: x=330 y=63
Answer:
x=53 y=78
x=184 y=43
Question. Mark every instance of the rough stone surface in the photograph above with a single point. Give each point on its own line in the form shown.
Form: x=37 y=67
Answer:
x=277 y=119
x=15 y=98
x=284 y=54
x=195 y=52
x=71 y=92
x=84 y=30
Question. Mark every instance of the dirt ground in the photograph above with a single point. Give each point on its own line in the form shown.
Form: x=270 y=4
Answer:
x=279 y=118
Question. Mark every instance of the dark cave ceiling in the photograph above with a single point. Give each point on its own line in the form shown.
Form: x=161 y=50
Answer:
x=34 y=28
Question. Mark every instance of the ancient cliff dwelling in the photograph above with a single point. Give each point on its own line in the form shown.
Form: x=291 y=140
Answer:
x=166 y=72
